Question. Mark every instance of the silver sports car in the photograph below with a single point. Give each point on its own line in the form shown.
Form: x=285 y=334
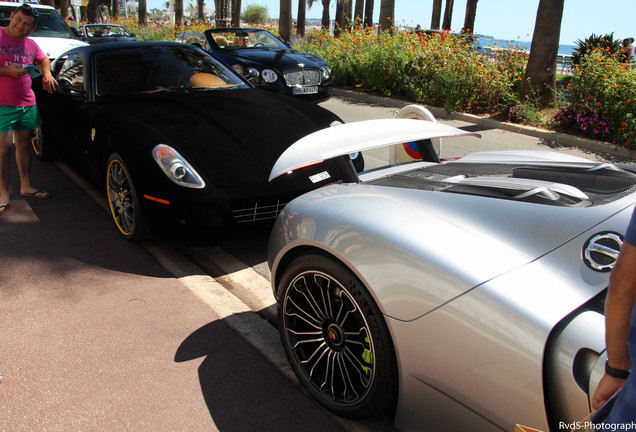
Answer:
x=465 y=295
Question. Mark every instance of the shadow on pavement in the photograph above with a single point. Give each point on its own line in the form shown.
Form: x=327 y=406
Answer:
x=243 y=391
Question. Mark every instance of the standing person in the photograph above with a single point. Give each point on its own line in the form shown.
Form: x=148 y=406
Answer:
x=620 y=336
x=18 y=113
x=627 y=50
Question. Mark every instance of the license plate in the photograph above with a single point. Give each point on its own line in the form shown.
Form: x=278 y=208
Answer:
x=319 y=177
x=305 y=90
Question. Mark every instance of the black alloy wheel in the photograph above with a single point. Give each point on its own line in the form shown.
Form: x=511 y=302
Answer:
x=123 y=201
x=335 y=338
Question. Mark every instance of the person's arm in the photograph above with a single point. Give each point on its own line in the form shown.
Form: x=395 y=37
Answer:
x=48 y=82
x=618 y=312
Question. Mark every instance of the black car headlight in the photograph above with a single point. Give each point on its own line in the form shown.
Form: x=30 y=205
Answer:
x=176 y=167
x=269 y=75
x=325 y=71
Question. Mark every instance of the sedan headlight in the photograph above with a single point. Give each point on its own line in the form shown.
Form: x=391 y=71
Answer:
x=269 y=75
x=176 y=167
x=326 y=72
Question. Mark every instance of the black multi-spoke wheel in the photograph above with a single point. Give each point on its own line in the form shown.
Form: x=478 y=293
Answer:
x=335 y=338
x=122 y=200
x=40 y=144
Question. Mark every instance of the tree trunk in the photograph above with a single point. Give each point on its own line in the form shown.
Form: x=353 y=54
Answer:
x=540 y=80
x=325 y=14
x=437 y=13
x=114 y=9
x=387 y=13
x=368 y=13
x=358 y=12
x=201 y=10
x=285 y=20
x=347 y=14
x=47 y=2
x=143 y=14
x=469 y=20
x=92 y=12
x=223 y=17
x=64 y=4
x=339 y=20
x=300 y=21
x=448 y=15
x=236 y=11
x=178 y=13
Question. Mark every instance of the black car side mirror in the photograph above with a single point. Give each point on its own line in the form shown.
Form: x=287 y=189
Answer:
x=288 y=44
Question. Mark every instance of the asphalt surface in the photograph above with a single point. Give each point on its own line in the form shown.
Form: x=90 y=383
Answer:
x=96 y=335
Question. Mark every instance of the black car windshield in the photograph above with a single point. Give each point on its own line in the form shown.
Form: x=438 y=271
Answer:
x=50 y=23
x=104 y=30
x=246 y=38
x=152 y=69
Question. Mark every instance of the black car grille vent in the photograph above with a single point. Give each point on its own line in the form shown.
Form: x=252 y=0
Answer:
x=302 y=77
x=257 y=212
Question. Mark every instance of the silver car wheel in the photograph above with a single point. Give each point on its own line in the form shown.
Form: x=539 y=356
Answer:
x=332 y=332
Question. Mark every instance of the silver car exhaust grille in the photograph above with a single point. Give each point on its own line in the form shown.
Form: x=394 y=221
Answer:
x=302 y=77
x=258 y=212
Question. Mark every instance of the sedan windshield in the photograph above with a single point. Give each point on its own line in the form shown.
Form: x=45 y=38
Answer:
x=147 y=70
x=50 y=24
x=246 y=38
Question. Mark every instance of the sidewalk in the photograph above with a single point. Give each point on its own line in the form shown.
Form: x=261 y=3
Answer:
x=96 y=335
x=440 y=113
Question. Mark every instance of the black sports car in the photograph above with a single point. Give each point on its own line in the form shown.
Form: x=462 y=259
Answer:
x=180 y=142
x=271 y=64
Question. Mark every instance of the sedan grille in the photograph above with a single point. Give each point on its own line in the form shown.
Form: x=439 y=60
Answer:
x=257 y=212
x=302 y=77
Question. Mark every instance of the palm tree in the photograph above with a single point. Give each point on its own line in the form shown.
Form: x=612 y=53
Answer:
x=324 y=22
x=387 y=13
x=114 y=10
x=300 y=21
x=340 y=18
x=143 y=14
x=448 y=15
x=437 y=13
x=540 y=79
x=469 y=20
x=64 y=8
x=178 y=13
x=236 y=12
x=285 y=20
x=368 y=13
x=358 y=11
x=222 y=17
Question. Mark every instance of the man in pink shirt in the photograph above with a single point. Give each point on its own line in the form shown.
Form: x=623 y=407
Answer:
x=18 y=113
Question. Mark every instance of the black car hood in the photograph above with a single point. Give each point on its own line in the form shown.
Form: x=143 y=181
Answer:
x=279 y=58
x=231 y=137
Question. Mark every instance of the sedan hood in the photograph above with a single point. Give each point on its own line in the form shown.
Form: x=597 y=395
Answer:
x=229 y=131
x=53 y=47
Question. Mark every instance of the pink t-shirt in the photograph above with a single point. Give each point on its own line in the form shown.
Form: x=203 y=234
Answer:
x=17 y=91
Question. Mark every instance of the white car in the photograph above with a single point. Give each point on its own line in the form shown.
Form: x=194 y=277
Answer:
x=52 y=34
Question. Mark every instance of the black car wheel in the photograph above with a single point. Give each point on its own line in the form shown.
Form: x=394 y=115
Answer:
x=122 y=200
x=335 y=338
x=39 y=143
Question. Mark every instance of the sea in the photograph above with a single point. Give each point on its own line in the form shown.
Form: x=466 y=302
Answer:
x=564 y=49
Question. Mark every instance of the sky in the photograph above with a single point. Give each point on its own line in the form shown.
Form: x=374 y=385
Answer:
x=502 y=19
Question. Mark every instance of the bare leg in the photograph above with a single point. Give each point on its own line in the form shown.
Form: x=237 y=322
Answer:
x=22 y=140
x=6 y=143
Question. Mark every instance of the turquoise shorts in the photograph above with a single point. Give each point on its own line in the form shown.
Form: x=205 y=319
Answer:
x=19 y=118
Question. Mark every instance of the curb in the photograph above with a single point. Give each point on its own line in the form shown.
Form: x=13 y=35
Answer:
x=555 y=137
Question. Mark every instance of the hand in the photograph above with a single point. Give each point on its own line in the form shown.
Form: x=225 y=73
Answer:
x=605 y=390
x=15 y=71
x=48 y=83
